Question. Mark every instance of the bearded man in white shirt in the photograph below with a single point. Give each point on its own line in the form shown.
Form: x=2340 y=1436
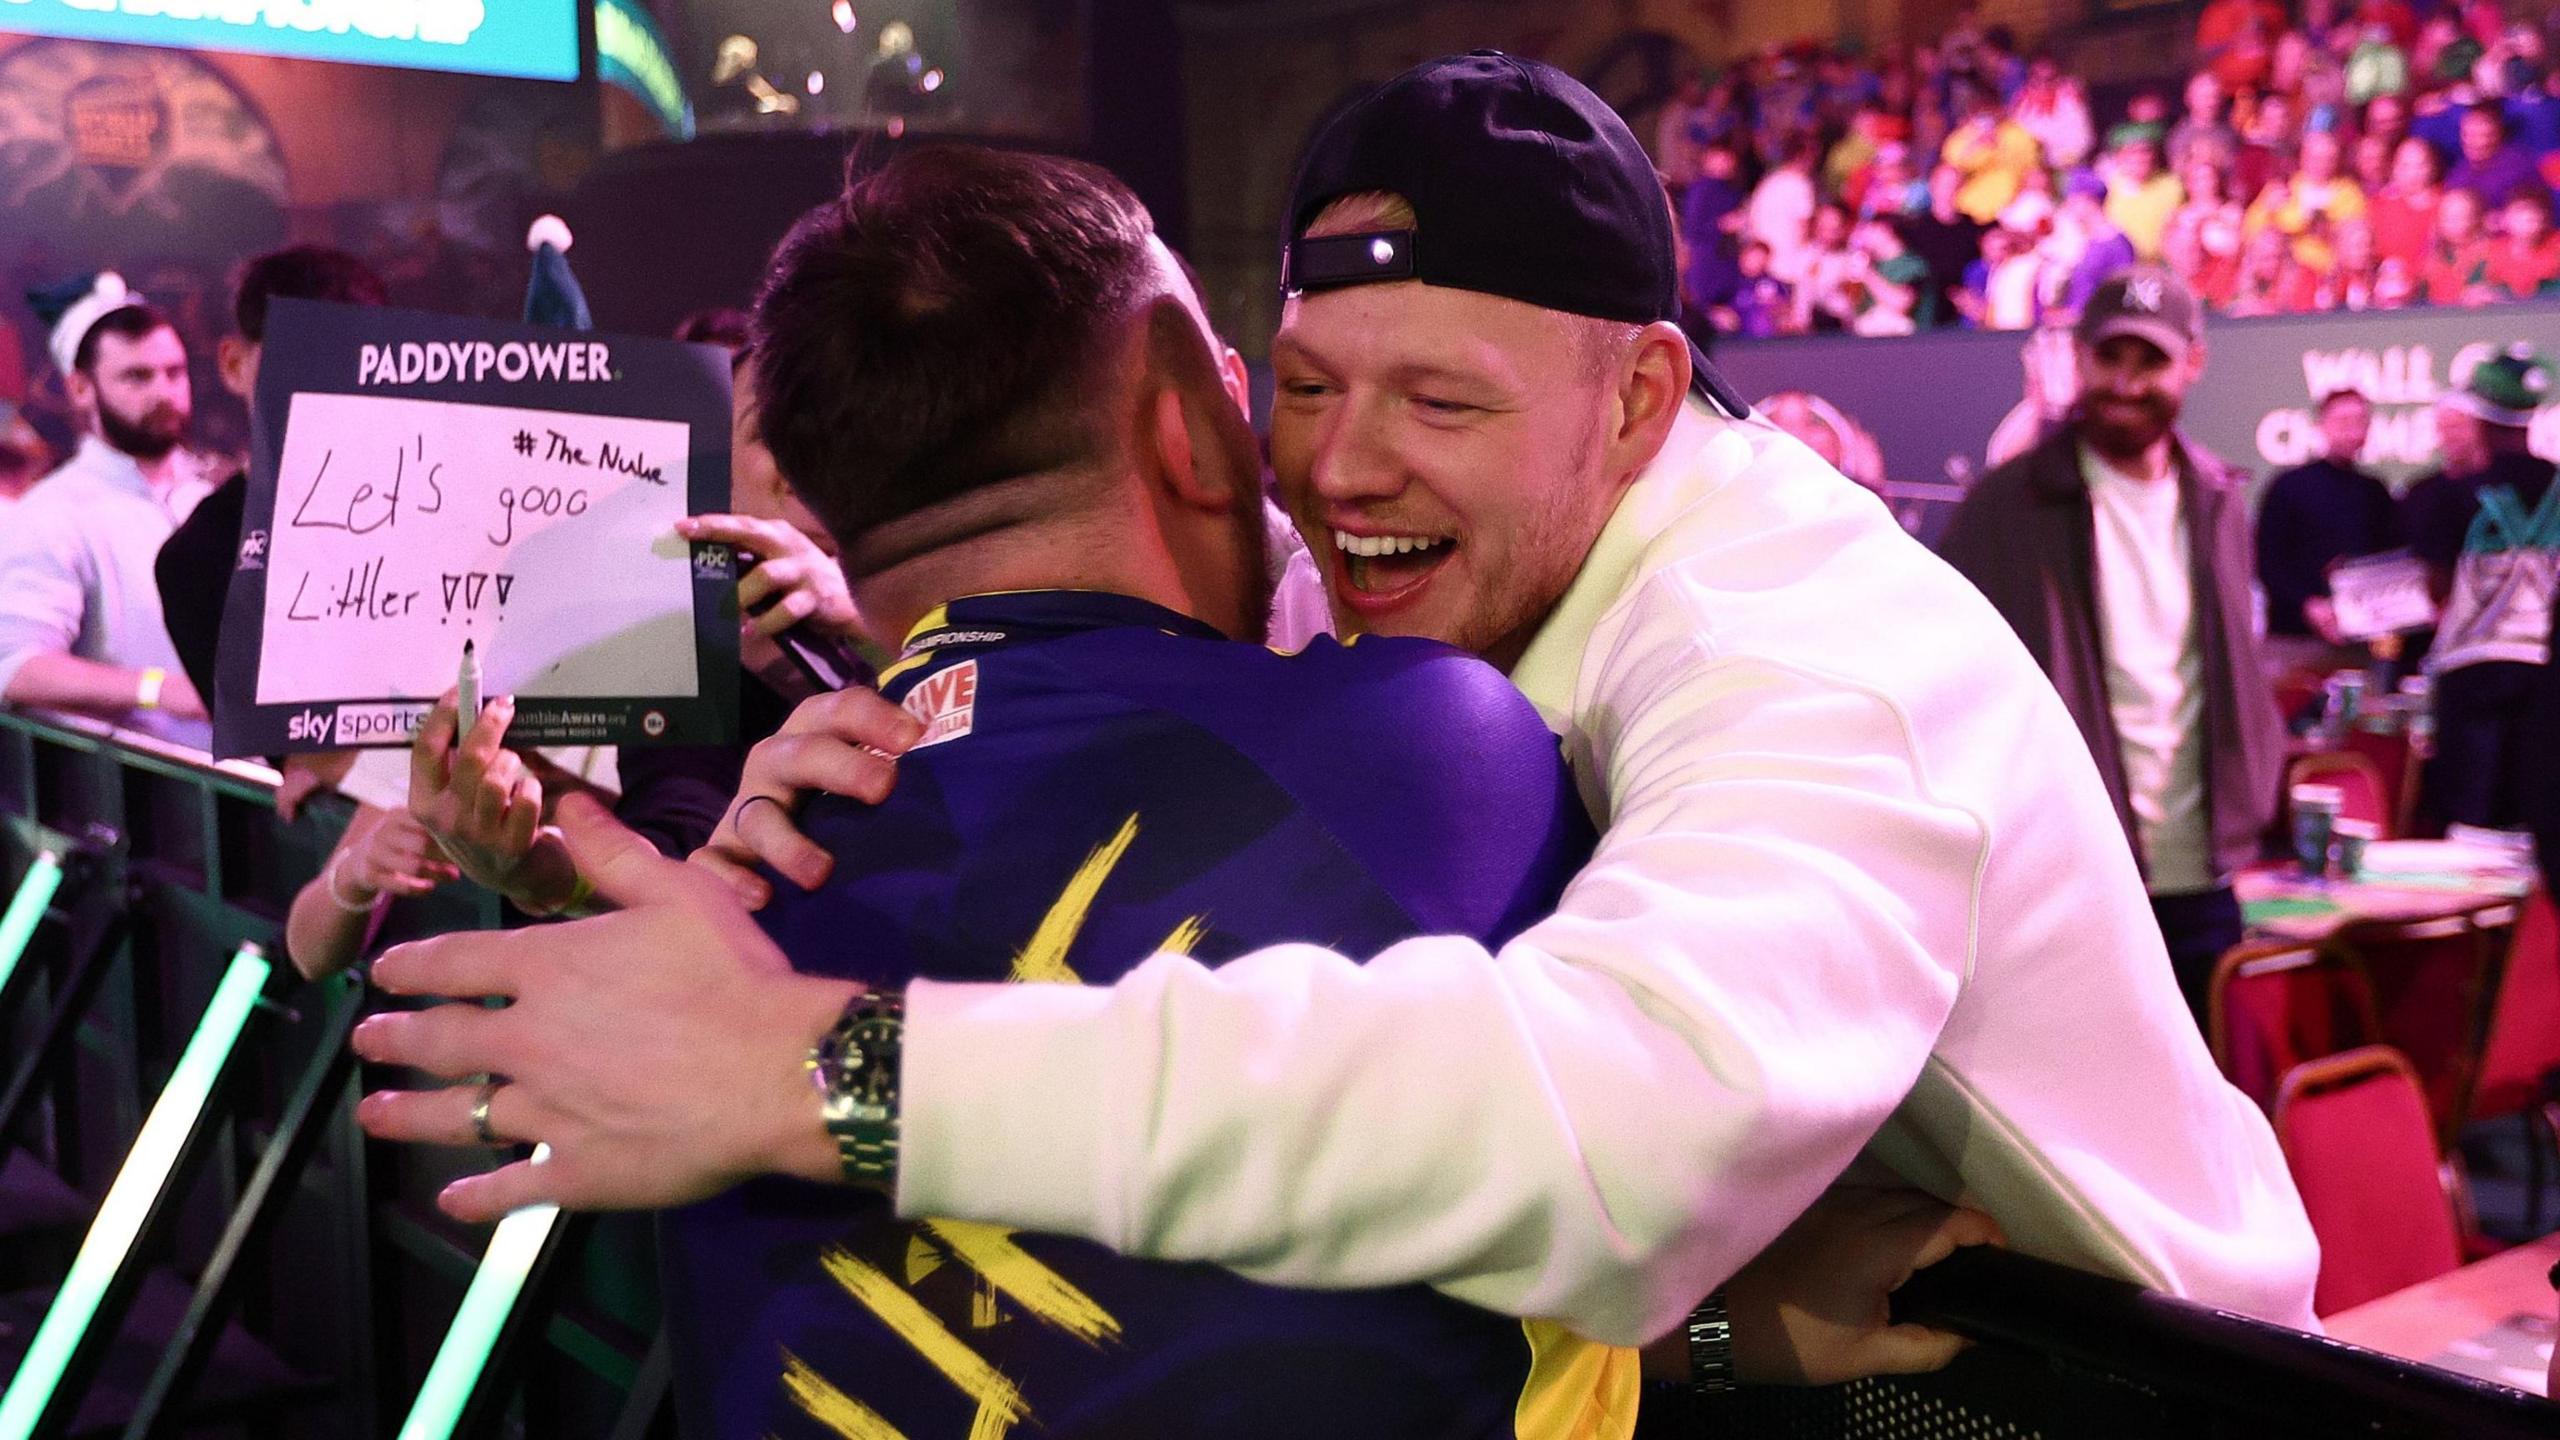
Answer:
x=2123 y=558
x=80 y=619
x=1861 y=906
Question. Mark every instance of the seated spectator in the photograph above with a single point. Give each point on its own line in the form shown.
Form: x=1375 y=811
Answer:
x=1823 y=298
x=2403 y=215
x=1711 y=213
x=2204 y=238
x=2030 y=212
x=2052 y=108
x=1887 y=186
x=2377 y=68
x=2084 y=248
x=2267 y=144
x=80 y=620
x=2492 y=166
x=2010 y=291
x=2353 y=280
x=1869 y=130
x=2236 y=40
x=2457 y=265
x=2524 y=261
x=1945 y=237
x=1762 y=305
x=2271 y=281
x=2386 y=118
x=2395 y=284
x=2141 y=196
x=1898 y=295
x=2371 y=166
x=2532 y=113
x=2398 y=22
x=2315 y=199
x=2201 y=132
x=1992 y=152
x=1780 y=214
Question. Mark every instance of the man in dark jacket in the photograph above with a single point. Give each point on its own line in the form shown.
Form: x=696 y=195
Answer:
x=2122 y=557
x=2311 y=518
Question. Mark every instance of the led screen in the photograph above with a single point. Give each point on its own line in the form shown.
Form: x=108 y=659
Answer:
x=535 y=39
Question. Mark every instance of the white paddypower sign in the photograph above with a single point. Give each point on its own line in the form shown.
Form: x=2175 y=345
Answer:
x=419 y=482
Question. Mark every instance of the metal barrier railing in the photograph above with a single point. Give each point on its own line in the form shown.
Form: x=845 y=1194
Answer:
x=2060 y=1354
x=247 y=1254
x=146 y=865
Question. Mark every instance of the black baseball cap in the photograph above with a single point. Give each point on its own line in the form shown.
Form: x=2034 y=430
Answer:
x=1523 y=184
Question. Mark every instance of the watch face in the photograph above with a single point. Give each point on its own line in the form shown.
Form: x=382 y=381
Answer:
x=871 y=1059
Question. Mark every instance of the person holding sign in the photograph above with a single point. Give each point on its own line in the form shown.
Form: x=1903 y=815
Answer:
x=2312 y=517
x=80 y=618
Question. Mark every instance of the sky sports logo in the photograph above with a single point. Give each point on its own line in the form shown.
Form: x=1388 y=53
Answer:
x=357 y=725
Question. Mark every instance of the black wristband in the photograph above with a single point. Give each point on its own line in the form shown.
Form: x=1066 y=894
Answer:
x=1710 y=1347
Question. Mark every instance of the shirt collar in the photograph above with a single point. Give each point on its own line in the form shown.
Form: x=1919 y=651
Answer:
x=97 y=458
x=1014 y=615
x=1701 y=452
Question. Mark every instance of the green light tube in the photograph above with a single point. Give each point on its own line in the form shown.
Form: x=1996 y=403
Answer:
x=26 y=909
x=513 y=1248
x=129 y=1200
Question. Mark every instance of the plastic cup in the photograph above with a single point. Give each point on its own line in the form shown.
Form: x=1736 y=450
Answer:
x=2315 y=821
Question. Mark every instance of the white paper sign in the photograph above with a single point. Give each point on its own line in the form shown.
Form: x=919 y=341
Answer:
x=403 y=527
x=2381 y=595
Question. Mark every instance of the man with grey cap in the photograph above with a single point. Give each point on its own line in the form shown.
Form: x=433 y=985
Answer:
x=2122 y=556
x=1861 y=906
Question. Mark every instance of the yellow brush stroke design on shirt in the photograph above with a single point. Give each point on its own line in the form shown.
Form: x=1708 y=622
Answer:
x=946 y=1352
x=1185 y=936
x=1044 y=960
x=990 y=1423
x=989 y=1250
x=832 y=1407
x=1577 y=1389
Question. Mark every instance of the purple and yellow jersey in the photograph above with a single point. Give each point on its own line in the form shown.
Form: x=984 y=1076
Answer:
x=1103 y=778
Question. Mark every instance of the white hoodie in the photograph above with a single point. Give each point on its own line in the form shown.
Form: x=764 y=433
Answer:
x=1861 y=892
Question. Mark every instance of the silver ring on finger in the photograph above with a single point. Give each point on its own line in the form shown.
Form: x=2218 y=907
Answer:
x=480 y=1114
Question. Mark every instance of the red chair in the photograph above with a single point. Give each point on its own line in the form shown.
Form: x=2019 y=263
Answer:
x=2431 y=981
x=2366 y=795
x=2274 y=1004
x=2519 y=1070
x=2395 y=760
x=2356 y=1135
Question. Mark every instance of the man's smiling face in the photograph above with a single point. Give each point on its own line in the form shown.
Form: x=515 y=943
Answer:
x=1446 y=454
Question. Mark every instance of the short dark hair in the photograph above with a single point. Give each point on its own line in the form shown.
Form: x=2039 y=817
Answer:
x=726 y=326
x=299 y=272
x=127 y=322
x=933 y=330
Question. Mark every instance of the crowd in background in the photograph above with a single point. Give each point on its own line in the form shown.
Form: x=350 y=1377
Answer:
x=2365 y=154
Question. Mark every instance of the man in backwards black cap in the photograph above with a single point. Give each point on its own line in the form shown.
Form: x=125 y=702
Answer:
x=1861 y=899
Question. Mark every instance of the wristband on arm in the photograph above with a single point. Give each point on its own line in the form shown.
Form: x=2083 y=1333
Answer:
x=146 y=691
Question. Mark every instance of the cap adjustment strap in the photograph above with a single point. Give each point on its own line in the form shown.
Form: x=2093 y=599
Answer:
x=1367 y=257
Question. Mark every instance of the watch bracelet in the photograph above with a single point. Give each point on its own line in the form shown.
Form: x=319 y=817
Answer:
x=1710 y=1333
